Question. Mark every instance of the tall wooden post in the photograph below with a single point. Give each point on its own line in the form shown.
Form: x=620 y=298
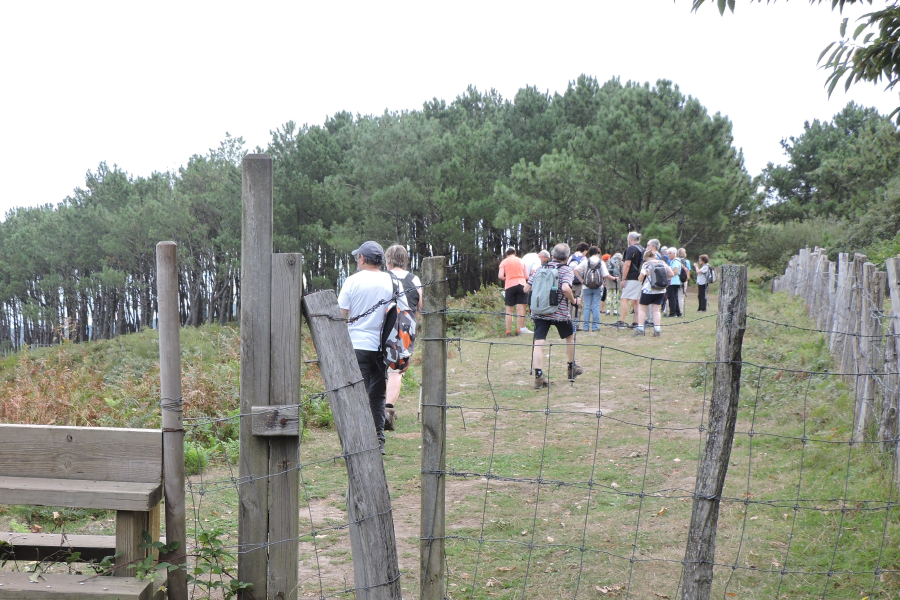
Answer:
x=256 y=301
x=172 y=416
x=730 y=325
x=853 y=302
x=284 y=451
x=889 y=427
x=376 y=571
x=839 y=322
x=866 y=361
x=434 y=443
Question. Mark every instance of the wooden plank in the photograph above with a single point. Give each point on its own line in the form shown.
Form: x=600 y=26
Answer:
x=256 y=298
x=17 y=586
x=172 y=415
x=730 y=325
x=375 y=569
x=130 y=526
x=284 y=452
x=109 y=495
x=94 y=453
x=268 y=421
x=434 y=444
x=41 y=546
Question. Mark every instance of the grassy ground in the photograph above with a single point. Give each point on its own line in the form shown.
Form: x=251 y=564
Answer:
x=546 y=496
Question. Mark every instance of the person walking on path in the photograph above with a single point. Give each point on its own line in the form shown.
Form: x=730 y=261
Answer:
x=651 y=296
x=686 y=276
x=594 y=274
x=631 y=269
x=397 y=260
x=512 y=274
x=674 y=284
x=561 y=318
x=702 y=267
x=363 y=290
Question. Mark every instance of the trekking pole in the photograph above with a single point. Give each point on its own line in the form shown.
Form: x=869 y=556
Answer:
x=574 y=345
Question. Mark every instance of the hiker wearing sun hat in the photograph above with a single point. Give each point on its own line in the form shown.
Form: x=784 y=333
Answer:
x=360 y=292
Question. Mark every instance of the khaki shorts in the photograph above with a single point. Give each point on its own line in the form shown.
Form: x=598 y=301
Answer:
x=632 y=290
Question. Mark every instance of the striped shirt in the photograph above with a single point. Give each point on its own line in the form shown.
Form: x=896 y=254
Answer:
x=566 y=275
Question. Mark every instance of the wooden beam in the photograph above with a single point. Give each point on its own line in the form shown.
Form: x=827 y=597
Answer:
x=284 y=452
x=268 y=421
x=18 y=586
x=93 y=453
x=256 y=298
x=108 y=495
x=41 y=546
x=375 y=568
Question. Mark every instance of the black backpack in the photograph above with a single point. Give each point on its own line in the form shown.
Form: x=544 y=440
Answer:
x=659 y=277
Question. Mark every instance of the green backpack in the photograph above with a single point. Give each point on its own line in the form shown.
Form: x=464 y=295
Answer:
x=545 y=291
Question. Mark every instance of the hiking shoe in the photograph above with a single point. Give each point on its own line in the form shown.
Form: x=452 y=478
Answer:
x=574 y=370
x=657 y=333
x=636 y=333
x=620 y=325
x=381 y=447
x=541 y=382
x=525 y=330
x=508 y=334
x=389 y=416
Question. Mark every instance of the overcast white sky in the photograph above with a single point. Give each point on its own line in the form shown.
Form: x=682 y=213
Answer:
x=146 y=85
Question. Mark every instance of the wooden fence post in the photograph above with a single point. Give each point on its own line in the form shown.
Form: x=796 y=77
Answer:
x=830 y=298
x=284 y=451
x=172 y=416
x=434 y=412
x=256 y=299
x=888 y=432
x=865 y=359
x=376 y=573
x=840 y=307
x=852 y=300
x=730 y=325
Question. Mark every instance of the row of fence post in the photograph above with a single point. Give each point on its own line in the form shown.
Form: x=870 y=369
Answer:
x=846 y=301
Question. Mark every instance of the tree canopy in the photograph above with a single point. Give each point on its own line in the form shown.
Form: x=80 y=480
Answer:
x=465 y=179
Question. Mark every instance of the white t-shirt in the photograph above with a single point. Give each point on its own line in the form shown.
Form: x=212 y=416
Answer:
x=401 y=275
x=532 y=261
x=360 y=292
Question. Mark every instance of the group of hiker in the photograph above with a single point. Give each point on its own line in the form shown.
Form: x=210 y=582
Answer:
x=560 y=288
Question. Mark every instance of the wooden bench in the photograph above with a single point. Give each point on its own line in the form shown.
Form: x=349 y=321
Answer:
x=83 y=467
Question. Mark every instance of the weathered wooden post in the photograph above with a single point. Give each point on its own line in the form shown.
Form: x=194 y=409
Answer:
x=282 y=426
x=376 y=572
x=434 y=443
x=853 y=300
x=172 y=415
x=256 y=302
x=866 y=362
x=888 y=431
x=839 y=321
x=730 y=325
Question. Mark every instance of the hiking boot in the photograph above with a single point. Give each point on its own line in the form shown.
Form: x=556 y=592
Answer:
x=620 y=325
x=541 y=382
x=574 y=370
x=508 y=334
x=389 y=416
x=636 y=333
x=381 y=447
x=657 y=333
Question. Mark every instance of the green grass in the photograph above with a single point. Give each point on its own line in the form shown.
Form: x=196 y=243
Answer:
x=510 y=531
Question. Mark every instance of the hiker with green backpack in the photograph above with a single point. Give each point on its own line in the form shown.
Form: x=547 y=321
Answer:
x=551 y=294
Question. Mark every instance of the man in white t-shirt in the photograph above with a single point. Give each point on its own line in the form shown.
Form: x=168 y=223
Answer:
x=362 y=291
x=532 y=262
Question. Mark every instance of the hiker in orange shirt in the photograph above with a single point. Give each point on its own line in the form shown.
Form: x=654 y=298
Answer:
x=512 y=274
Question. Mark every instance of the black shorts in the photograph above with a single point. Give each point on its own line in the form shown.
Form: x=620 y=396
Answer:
x=603 y=295
x=648 y=299
x=516 y=295
x=542 y=328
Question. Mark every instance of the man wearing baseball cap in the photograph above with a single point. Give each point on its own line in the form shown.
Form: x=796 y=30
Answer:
x=360 y=292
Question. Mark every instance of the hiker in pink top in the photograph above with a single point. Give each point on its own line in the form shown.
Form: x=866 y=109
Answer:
x=512 y=274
